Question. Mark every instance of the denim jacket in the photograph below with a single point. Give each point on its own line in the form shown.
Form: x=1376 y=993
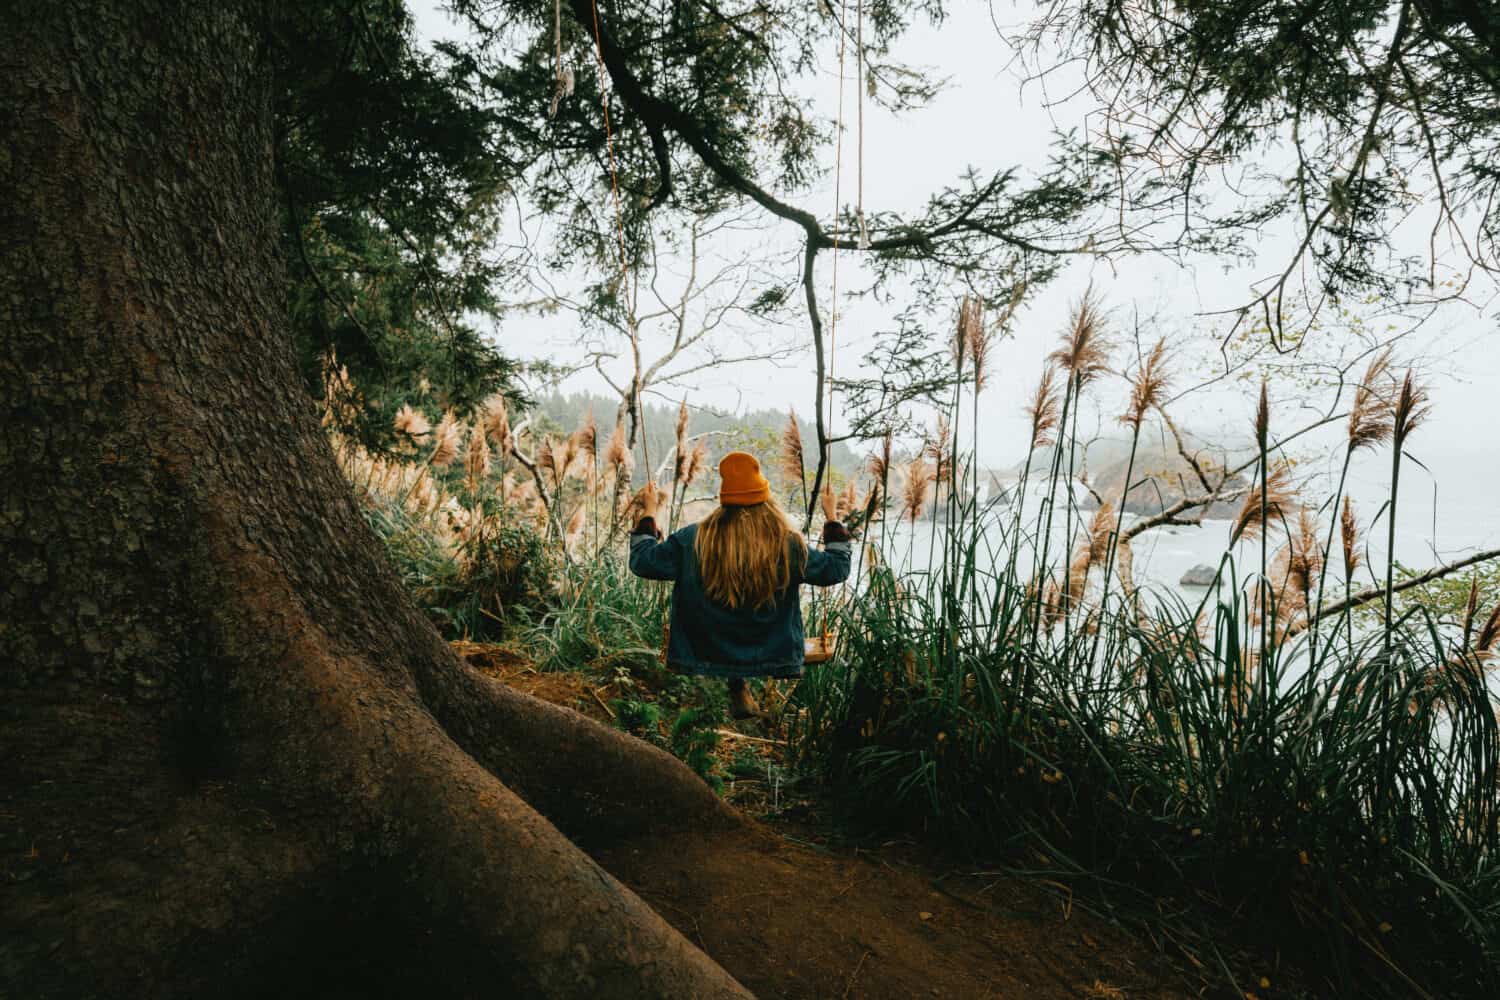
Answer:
x=717 y=641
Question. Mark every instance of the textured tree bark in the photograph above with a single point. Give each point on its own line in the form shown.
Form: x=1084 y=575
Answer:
x=230 y=749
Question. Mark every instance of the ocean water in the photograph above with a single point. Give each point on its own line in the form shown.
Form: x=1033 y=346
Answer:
x=1431 y=529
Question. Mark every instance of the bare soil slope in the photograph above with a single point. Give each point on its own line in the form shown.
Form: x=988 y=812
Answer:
x=795 y=921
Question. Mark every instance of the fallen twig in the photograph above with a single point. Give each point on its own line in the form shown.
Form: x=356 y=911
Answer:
x=602 y=703
x=752 y=739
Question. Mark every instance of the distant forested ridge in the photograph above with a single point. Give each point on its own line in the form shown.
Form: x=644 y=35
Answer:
x=756 y=431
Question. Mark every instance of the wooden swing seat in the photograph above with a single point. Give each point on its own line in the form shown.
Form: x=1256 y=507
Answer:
x=819 y=649
x=816 y=649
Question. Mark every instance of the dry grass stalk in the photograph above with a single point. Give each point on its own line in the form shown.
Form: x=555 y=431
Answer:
x=697 y=462
x=1077 y=578
x=880 y=462
x=1295 y=571
x=1488 y=635
x=1278 y=502
x=556 y=458
x=918 y=482
x=446 y=441
x=574 y=533
x=1412 y=407
x=1051 y=603
x=616 y=454
x=971 y=338
x=1370 y=418
x=1148 y=387
x=423 y=498
x=593 y=483
x=1125 y=568
x=1084 y=353
x=1093 y=548
x=623 y=505
x=1263 y=418
x=848 y=499
x=475 y=525
x=680 y=462
x=941 y=450
x=792 y=465
x=980 y=339
x=872 y=504
x=497 y=424
x=1043 y=409
x=1349 y=529
x=411 y=423
x=567 y=456
x=1101 y=528
x=544 y=454
x=1306 y=553
x=586 y=438
x=1471 y=607
x=476 y=457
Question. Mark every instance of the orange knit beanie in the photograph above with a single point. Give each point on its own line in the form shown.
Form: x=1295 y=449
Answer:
x=741 y=483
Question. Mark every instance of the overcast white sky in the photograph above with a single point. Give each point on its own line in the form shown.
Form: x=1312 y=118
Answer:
x=986 y=119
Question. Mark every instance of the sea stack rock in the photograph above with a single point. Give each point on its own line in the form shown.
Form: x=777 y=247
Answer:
x=1201 y=575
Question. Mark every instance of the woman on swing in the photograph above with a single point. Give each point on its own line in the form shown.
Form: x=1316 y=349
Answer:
x=735 y=606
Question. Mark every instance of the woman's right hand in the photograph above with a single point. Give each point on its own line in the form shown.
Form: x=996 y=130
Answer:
x=651 y=498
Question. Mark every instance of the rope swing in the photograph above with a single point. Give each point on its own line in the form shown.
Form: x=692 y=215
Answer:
x=819 y=649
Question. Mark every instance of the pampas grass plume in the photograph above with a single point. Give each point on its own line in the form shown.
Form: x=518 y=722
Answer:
x=918 y=480
x=477 y=457
x=880 y=462
x=1043 y=409
x=586 y=437
x=1084 y=353
x=680 y=464
x=1370 y=418
x=411 y=422
x=616 y=454
x=1349 y=530
x=1149 y=385
x=792 y=465
x=1278 y=495
x=697 y=462
x=1412 y=407
x=445 y=447
x=1489 y=633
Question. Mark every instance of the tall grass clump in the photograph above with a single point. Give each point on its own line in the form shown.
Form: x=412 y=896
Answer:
x=462 y=517
x=1255 y=764
x=603 y=619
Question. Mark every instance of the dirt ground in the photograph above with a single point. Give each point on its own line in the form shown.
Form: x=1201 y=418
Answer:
x=790 y=921
x=793 y=918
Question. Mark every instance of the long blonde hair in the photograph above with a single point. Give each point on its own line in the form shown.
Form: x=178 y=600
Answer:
x=745 y=554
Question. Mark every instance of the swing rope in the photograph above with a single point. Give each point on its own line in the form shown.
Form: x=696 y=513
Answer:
x=614 y=183
x=824 y=645
x=838 y=177
x=838 y=180
x=821 y=649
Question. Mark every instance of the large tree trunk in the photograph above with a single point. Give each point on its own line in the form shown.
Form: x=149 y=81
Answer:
x=230 y=748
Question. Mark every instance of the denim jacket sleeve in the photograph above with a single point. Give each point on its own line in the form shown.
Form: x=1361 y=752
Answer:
x=651 y=559
x=829 y=566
